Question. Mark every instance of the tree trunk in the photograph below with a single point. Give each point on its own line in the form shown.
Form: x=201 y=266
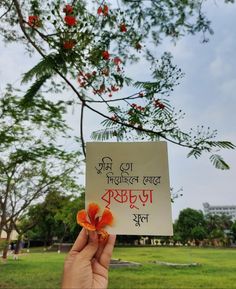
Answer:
x=28 y=245
x=2 y=224
x=17 y=249
x=8 y=240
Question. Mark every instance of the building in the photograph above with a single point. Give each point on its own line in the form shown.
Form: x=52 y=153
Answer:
x=220 y=210
x=14 y=235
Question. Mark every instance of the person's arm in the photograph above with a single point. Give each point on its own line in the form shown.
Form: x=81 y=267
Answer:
x=87 y=264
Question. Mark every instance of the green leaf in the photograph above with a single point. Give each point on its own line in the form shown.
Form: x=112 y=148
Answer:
x=221 y=144
x=33 y=90
x=44 y=67
x=104 y=134
x=196 y=152
x=218 y=162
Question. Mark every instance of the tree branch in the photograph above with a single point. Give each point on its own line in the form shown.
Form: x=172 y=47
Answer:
x=81 y=129
x=8 y=9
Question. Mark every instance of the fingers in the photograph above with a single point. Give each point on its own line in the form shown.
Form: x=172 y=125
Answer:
x=105 y=255
x=90 y=249
x=80 y=242
x=101 y=246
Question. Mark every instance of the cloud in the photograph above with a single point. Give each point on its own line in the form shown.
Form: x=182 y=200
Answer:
x=228 y=88
x=219 y=68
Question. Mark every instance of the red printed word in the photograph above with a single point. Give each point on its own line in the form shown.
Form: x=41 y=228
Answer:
x=134 y=197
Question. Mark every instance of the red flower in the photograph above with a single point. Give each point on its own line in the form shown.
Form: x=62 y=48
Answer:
x=69 y=44
x=159 y=104
x=68 y=9
x=100 y=90
x=105 y=55
x=33 y=21
x=70 y=20
x=102 y=87
x=117 y=60
x=100 y=10
x=88 y=75
x=103 y=10
x=123 y=27
x=90 y=221
x=113 y=88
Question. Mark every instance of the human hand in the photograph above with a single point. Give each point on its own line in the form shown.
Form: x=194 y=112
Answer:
x=87 y=264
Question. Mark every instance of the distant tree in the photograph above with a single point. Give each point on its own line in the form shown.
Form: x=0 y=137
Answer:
x=54 y=217
x=218 y=228
x=67 y=217
x=233 y=230
x=86 y=46
x=32 y=161
x=198 y=233
x=190 y=225
x=176 y=236
x=216 y=237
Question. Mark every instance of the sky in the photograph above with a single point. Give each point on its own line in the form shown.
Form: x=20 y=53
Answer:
x=206 y=94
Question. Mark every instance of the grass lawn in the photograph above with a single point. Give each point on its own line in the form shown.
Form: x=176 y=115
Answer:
x=217 y=270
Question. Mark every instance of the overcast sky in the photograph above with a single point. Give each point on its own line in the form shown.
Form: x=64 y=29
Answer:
x=206 y=94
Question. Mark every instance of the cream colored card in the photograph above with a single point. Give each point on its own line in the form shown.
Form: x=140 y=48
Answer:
x=132 y=180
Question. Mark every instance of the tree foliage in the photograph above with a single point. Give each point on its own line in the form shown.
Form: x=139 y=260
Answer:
x=192 y=225
x=55 y=217
x=33 y=158
x=233 y=229
x=87 y=46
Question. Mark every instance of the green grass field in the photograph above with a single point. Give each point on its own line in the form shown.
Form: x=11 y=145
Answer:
x=217 y=270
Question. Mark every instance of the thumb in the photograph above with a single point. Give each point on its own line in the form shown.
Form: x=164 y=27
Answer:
x=91 y=248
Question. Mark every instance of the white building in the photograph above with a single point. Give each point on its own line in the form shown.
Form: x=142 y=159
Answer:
x=220 y=210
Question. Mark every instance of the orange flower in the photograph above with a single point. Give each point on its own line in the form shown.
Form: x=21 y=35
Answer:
x=90 y=221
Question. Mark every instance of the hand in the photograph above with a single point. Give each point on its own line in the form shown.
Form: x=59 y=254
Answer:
x=87 y=264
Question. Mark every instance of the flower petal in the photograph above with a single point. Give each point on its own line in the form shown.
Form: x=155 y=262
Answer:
x=92 y=212
x=103 y=235
x=82 y=221
x=106 y=219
